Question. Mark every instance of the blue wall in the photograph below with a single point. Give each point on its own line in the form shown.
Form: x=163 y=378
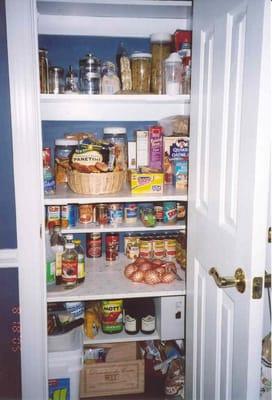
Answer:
x=8 y=237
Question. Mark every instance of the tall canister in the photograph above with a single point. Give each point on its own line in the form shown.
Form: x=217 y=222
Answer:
x=160 y=48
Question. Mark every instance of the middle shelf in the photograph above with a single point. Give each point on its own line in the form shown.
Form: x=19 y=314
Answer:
x=106 y=280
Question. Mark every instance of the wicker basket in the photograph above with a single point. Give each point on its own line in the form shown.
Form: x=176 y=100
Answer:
x=96 y=183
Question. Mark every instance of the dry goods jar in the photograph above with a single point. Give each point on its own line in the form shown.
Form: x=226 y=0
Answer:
x=160 y=48
x=141 y=72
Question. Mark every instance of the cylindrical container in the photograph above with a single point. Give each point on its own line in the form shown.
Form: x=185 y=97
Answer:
x=170 y=248
x=130 y=213
x=53 y=216
x=112 y=246
x=102 y=214
x=56 y=80
x=93 y=245
x=131 y=316
x=158 y=209
x=63 y=150
x=145 y=247
x=43 y=67
x=131 y=246
x=158 y=247
x=90 y=75
x=112 y=316
x=71 y=81
x=141 y=72
x=69 y=266
x=68 y=215
x=86 y=213
x=181 y=211
x=80 y=261
x=148 y=317
x=115 y=214
x=118 y=137
x=160 y=48
x=148 y=217
x=170 y=212
x=173 y=75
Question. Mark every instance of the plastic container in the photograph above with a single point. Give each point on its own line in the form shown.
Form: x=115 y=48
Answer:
x=173 y=75
x=160 y=48
x=65 y=360
x=118 y=137
x=141 y=72
x=63 y=150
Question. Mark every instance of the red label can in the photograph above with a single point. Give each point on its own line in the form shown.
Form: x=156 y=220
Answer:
x=93 y=245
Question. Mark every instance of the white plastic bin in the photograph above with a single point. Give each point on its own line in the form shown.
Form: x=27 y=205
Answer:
x=65 y=360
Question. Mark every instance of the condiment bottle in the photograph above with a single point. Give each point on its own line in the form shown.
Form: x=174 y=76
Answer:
x=49 y=183
x=80 y=261
x=69 y=266
x=57 y=243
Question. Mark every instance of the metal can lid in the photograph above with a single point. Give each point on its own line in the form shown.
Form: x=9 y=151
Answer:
x=115 y=130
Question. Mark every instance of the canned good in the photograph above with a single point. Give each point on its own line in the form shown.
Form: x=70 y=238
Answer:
x=130 y=213
x=169 y=212
x=112 y=316
x=68 y=215
x=148 y=217
x=53 y=216
x=93 y=245
x=86 y=213
x=112 y=241
x=115 y=214
x=131 y=246
x=181 y=211
x=102 y=214
x=170 y=248
x=158 y=209
x=158 y=247
x=145 y=247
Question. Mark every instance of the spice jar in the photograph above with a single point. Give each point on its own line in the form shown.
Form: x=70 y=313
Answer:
x=118 y=137
x=141 y=72
x=56 y=80
x=160 y=48
x=43 y=66
x=90 y=75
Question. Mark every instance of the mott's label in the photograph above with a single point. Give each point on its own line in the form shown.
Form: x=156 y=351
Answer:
x=146 y=183
x=112 y=319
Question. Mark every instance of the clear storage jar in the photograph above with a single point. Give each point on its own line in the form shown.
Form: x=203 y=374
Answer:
x=118 y=137
x=56 y=80
x=161 y=49
x=141 y=72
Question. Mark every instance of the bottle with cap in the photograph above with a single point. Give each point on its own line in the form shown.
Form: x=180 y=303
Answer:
x=57 y=243
x=160 y=49
x=69 y=264
x=80 y=261
x=173 y=75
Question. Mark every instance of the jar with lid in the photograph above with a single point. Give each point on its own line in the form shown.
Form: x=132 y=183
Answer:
x=43 y=67
x=71 y=81
x=141 y=72
x=110 y=81
x=56 y=80
x=90 y=75
x=173 y=74
x=160 y=48
x=63 y=151
x=118 y=137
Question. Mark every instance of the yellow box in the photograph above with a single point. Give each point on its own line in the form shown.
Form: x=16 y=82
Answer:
x=149 y=182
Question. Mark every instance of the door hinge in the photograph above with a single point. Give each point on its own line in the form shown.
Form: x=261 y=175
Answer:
x=257 y=288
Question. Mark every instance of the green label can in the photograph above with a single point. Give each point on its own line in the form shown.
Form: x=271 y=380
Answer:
x=112 y=316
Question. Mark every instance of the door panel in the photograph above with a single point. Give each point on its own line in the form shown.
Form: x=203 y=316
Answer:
x=227 y=197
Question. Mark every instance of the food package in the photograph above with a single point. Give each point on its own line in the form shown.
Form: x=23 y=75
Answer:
x=92 y=323
x=146 y=182
x=180 y=173
x=93 y=157
x=175 y=125
x=174 y=148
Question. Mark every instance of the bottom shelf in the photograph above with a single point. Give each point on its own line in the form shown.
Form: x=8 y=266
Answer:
x=120 y=337
x=140 y=396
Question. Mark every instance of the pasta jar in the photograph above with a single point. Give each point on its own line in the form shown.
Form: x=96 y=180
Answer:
x=161 y=49
x=141 y=72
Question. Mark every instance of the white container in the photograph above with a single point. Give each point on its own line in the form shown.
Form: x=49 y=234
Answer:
x=170 y=314
x=65 y=360
x=173 y=75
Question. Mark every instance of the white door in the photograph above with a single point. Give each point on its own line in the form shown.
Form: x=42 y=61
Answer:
x=227 y=197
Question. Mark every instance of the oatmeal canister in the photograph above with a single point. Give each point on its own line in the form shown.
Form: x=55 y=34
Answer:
x=112 y=316
x=63 y=150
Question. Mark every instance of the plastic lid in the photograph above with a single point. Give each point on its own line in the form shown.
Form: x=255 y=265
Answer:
x=66 y=142
x=69 y=236
x=174 y=57
x=69 y=246
x=115 y=130
x=140 y=55
x=161 y=37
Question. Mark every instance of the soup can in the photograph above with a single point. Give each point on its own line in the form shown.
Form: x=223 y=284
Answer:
x=93 y=245
x=115 y=213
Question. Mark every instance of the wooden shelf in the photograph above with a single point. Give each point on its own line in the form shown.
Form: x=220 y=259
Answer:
x=64 y=196
x=109 y=282
x=100 y=107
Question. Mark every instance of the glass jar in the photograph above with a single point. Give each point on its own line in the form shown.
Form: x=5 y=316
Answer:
x=141 y=72
x=90 y=75
x=118 y=137
x=43 y=67
x=56 y=80
x=71 y=81
x=160 y=48
x=173 y=75
x=63 y=151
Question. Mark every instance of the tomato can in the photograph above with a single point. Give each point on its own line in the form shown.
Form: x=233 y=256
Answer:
x=53 y=216
x=112 y=316
x=93 y=245
x=86 y=213
x=112 y=246
x=145 y=247
x=158 y=247
x=102 y=214
x=170 y=248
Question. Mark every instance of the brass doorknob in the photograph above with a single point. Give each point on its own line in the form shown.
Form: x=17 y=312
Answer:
x=238 y=280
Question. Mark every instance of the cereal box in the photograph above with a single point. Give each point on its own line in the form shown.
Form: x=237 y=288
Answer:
x=175 y=148
x=155 y=147
x=180 y=173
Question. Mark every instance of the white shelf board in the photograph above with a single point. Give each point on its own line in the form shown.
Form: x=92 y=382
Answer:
x=84 y=107
x=139 y=227
x=120 y=337
x=64 y=195
x=109 y=282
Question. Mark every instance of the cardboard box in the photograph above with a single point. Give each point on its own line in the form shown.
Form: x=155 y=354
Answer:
x=174 y=148
x=113 y=378
x=150 y=182
x=180 y=174
x=142 y=148
x=124 y=351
